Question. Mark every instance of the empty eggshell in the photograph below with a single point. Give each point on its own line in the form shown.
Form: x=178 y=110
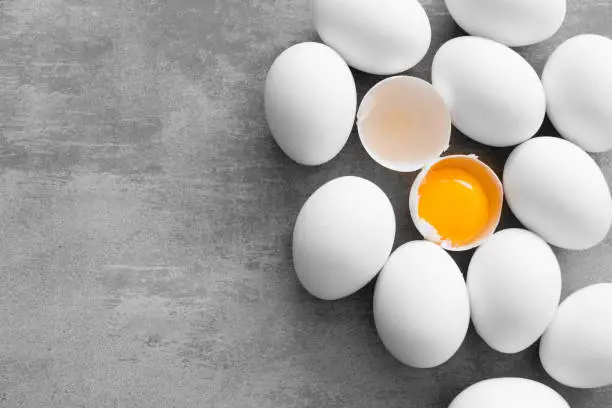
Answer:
x=509 y=392
x=513 y=23
x=557 y=191
x=376 y=36
x=310 y=102
x=343 y=235
x=403 y=123
x=421 y=306
x=495 y=97
x=576 y=349
x=578 y=88
x=514 y=282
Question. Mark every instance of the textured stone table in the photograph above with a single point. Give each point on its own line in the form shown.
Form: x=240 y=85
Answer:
x=146 y=218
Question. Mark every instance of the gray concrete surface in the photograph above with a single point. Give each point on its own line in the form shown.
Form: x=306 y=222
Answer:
x=146 y=217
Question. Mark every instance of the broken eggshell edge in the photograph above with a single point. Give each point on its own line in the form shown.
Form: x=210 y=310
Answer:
x=367 y=105
x=427 y=230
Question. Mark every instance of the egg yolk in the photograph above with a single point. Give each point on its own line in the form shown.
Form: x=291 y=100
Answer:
x=455 y=203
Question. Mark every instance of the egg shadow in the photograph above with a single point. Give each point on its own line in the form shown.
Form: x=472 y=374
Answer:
x=547 y=128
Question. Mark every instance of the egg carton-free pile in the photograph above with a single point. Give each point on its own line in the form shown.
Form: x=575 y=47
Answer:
x=344 y=233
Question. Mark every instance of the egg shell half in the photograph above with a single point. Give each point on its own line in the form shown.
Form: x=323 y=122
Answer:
x=421 y=305
x=343 y=235
x=403 y=123
x=576 y=349
x=310 y=102
x=494 y=95
x=514 y=23
x=381 y=37
x=578 y=83
x=514 y=282
x=473 y=164
x=509 y=392
x=558 y=191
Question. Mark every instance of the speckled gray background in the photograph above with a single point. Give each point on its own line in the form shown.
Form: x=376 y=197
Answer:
x=146 y=218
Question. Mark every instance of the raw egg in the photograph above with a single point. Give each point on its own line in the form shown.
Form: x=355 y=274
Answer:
x=381 y=37
x=404 y=123
x=343 y=236
x=514 y=282
x=514 y=23
x=578 y=88
x=310 y=103
x=456 y=202
x=421 y=305
x=509 y=392
x=494 y=95
x=559 y=192
x=576 y=349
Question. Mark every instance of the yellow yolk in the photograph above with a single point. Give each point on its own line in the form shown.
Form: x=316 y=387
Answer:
x=454 y=202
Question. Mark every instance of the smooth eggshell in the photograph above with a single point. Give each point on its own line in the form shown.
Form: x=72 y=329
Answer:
x=557 y=191
x=376 y=36
x=509 y=392
x=514 y=23
x=494 y=95
x=310 y=102
x=421 y=306
x=576 y=349
x=514 y=282
x=343 y=235
x=578 y=83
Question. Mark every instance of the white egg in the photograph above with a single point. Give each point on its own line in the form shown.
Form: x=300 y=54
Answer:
x=343 y=235
x=421 y=306
x=494 y=95
x=514 y=282
x=576 y=349
x=557 y=190
x=578 y=88
x=376 y=36
x=310 y=103
x=509 y=392
x=514 y=23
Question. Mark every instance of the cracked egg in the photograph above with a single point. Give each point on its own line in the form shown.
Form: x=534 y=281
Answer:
x=456 y=202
